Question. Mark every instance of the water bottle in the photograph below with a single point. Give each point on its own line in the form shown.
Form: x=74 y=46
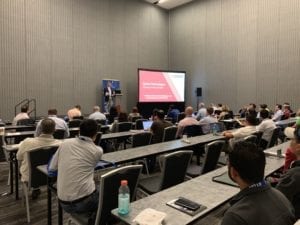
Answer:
x=124 y=198
x=214 y=129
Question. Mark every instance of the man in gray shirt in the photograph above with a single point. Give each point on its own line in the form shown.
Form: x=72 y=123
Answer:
x=97 y=115
x=207 y=120
x=257 y=203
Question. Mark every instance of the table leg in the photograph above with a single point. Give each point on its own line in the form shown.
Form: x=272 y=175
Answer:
x=11 y=174
x=49 y=203
x=17 y=178
x=60 y=214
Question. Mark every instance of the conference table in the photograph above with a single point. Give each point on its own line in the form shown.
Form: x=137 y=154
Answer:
x=131 y=155
x=202 y=190
x=285 y=123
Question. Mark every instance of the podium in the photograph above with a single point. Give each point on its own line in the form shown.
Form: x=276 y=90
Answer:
x=118 y=100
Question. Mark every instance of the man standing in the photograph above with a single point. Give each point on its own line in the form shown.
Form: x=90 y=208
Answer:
x=109 y=93
x=187 y=121
x=47 y=128
x=60 y=124
x=75 y=161
x=257 y=203
x=97 y=115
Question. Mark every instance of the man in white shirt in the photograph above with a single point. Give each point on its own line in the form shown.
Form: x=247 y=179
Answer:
x=187 y=121
x=278 y=113
x=206 y=121
x=75 y=161
x=60 y=124
x=97 y=115
x=22 y=115
x=43 y=140
x=201 y=112
x=242 y=132
x=266 y=127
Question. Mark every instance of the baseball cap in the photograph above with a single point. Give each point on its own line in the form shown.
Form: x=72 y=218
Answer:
x=292 y=133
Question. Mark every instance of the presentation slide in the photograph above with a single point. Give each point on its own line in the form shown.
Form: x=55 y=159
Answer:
x=161 y=86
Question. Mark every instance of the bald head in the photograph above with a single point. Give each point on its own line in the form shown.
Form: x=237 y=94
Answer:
x=96 y=108
x=189 y=111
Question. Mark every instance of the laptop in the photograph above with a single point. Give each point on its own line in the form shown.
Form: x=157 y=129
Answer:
x=147 y=124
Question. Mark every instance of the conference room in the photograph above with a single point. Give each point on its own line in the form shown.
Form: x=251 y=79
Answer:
x=56 y=54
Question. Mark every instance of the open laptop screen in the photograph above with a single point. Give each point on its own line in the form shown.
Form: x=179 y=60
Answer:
x=147 y=124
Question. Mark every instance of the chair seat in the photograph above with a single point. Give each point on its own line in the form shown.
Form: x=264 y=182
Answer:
x=193 y=170
x=151 y=184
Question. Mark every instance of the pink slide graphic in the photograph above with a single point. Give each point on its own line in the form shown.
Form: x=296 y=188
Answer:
x=156 y=86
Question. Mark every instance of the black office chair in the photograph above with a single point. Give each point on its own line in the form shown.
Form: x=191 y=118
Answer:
x=101 y=122
x=59 y=134
x=258 y=135
x=275 y=135
x=26 y=122
x=169 y=133
x=251 y=138
x=108 y=192
x=74 y=123
x=139 y=124
x=98 y=138
x=36 y=157
x=174 y=166
x=192 y=130
x=180 y=116
x=213 y=151
x=78 y=118
x=122 y=127
x=135 y=118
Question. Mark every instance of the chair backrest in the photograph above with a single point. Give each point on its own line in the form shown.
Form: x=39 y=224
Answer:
x=169 y=133
x=251 y=138
x=213 y=151
x=26 y=122
x=274 y=137
x=258 y=135
x=180 y=116
x=98 y=138
x=102 y=122
x=59 y=134
x=193 y=130
x=141 y=139
x=139 y=124
x=74 y=123
x=135 y=118
x=124 y=126
x=174 y=168
x=78 y=118
x=37 y=157
x=109 y=190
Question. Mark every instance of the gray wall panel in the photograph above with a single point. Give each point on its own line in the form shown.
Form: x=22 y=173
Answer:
x=58 y=51
x=251 y=50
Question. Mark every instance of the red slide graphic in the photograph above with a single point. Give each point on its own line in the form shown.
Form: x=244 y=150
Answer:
x=156 y=86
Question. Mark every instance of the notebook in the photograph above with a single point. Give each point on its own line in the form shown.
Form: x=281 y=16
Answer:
x=147 y=124
x=224 y=179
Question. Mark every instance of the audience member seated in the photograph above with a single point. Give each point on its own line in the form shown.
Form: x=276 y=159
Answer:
x=277 y=113
x=173 y=113
x=76 y=188
x=47 y=128
x=121 y=118
x=257 y=202
x=113 y=113
x=187 y=121
x=286 y=112
x=266 y=127
x=225 y=113
x=289 y=183
x=97 y=115
x=158 y=126
x=74 y=112
x=22 y=115
x=289 y=154
x=134 y=113
x=243 y=111
x=201 y=112
x=60 y=124
x=242 y=132
x=262 y=107
x=207 y=120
